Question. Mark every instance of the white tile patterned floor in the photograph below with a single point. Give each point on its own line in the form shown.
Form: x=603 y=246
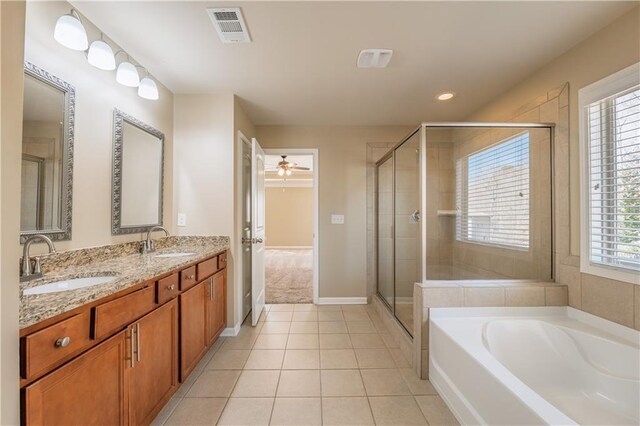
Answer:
x=306 y=365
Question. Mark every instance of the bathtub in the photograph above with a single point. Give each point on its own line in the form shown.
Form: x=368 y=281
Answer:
x=530 y=366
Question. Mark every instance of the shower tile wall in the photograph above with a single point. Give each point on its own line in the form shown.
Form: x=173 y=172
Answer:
x=441 y=197
x=448 y=258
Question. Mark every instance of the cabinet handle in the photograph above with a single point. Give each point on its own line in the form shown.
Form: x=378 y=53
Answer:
x=191 y=277
x=138 y=340
x=211 y=288
x=132 y=349
x=171 y=287
x=63 y=342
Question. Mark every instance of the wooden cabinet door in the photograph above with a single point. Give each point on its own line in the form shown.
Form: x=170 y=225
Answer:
x=90 y=390
x=193 y=343
x=216 y=305
x=154 y=375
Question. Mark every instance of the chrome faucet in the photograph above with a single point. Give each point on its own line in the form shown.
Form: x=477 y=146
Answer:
x=26 y=274
x=147 y=246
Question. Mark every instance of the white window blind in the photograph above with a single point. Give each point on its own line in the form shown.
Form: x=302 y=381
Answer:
x=492 y=194
x=613 y=170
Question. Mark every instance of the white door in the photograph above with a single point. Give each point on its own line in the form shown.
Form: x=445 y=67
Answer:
x=257 y=231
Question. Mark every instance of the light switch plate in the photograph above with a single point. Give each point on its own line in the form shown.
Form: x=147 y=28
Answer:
x=182 y=219
x=337 y=219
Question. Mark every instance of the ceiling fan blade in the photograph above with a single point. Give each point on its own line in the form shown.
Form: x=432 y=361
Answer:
x=299 y=168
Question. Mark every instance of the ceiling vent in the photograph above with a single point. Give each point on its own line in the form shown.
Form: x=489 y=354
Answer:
x=229 y=24
x=374 y=58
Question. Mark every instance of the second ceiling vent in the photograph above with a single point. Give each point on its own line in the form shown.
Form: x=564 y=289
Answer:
x=374 y=58
x=229 y=24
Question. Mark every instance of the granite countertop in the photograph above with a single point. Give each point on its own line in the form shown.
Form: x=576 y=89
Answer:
x=121 y=260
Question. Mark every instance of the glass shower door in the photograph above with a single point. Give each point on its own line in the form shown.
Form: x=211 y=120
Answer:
x=407 y=228
x=384 y=231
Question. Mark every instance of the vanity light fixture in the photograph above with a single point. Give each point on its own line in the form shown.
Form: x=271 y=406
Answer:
x=127 y=74
x=446 y=96
x=148 y=89
x=101 y=55
x=70 y=32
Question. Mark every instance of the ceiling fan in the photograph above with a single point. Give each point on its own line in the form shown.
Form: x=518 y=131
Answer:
x=285 y=168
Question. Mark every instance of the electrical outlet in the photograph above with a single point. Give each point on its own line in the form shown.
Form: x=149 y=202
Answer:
x=337 y=219
x=182 y=219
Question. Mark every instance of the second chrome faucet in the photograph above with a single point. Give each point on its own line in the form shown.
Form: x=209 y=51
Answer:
x=148 y=246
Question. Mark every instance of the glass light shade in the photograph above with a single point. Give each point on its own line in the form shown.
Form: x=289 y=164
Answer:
x=148 y=89
x=101 y=56
x=281 y=172
x=70 y=33
x=288 y=172
x=127 y=75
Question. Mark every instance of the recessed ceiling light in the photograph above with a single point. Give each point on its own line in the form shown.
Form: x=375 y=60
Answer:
x=445 y=96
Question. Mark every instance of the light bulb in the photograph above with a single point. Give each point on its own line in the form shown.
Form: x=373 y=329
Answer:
x=70 y=33
x=280 y=172
x=101 y=56
x=148 y=89
x=127 y=75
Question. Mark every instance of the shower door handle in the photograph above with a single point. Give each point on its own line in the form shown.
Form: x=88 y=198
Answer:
x=415 y=216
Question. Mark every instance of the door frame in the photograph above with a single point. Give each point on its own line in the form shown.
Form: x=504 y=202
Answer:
x=316 y=180
x=237 y=230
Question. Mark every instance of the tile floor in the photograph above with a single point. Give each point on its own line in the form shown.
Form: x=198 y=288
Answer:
x=307 y=365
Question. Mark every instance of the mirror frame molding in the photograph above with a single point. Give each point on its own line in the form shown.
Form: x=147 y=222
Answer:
x=119 y=118
x=66 y=196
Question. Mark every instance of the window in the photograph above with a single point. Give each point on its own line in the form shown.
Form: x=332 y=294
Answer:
x=610 y=149
x=492 y=195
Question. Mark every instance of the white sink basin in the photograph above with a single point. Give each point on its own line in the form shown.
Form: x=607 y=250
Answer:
x=72 y=284
x=181 y=254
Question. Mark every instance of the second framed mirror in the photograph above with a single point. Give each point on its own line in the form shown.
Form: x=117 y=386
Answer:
x=138 y=158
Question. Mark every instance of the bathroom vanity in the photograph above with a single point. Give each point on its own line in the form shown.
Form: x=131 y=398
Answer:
x=115 y=353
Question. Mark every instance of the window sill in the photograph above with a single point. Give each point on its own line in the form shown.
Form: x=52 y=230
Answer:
x=610 y=273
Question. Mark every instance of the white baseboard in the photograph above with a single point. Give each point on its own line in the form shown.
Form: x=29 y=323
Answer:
x=231 y=331
x=289 y=247
x=342 y=301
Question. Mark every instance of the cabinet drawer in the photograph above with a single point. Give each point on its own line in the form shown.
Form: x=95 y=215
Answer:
x=222 y=260
x=167 y=288
x=112 y=316
x=188 y=278
x=45 y=348
x=207 y=268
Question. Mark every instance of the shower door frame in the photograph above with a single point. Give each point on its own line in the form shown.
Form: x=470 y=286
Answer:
x=423 y=194
x=421 y=167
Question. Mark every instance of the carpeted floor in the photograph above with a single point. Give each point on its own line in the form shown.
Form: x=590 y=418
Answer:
x=289 y=276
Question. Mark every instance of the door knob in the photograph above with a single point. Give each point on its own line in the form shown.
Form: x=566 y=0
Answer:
x=257 y=240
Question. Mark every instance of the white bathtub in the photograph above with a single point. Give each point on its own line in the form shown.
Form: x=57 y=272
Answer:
x=530 y=366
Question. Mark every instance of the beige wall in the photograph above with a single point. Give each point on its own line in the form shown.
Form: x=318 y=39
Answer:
x=11 y=81
x=590 y=61
x=342 y=186
x=289 y=216
x=203 y=161
x=97 y=94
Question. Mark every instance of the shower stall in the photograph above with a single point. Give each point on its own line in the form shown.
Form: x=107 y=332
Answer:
x=463 y=201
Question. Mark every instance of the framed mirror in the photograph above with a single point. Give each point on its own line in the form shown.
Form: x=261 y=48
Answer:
x=138 y=159
x=47 y=155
